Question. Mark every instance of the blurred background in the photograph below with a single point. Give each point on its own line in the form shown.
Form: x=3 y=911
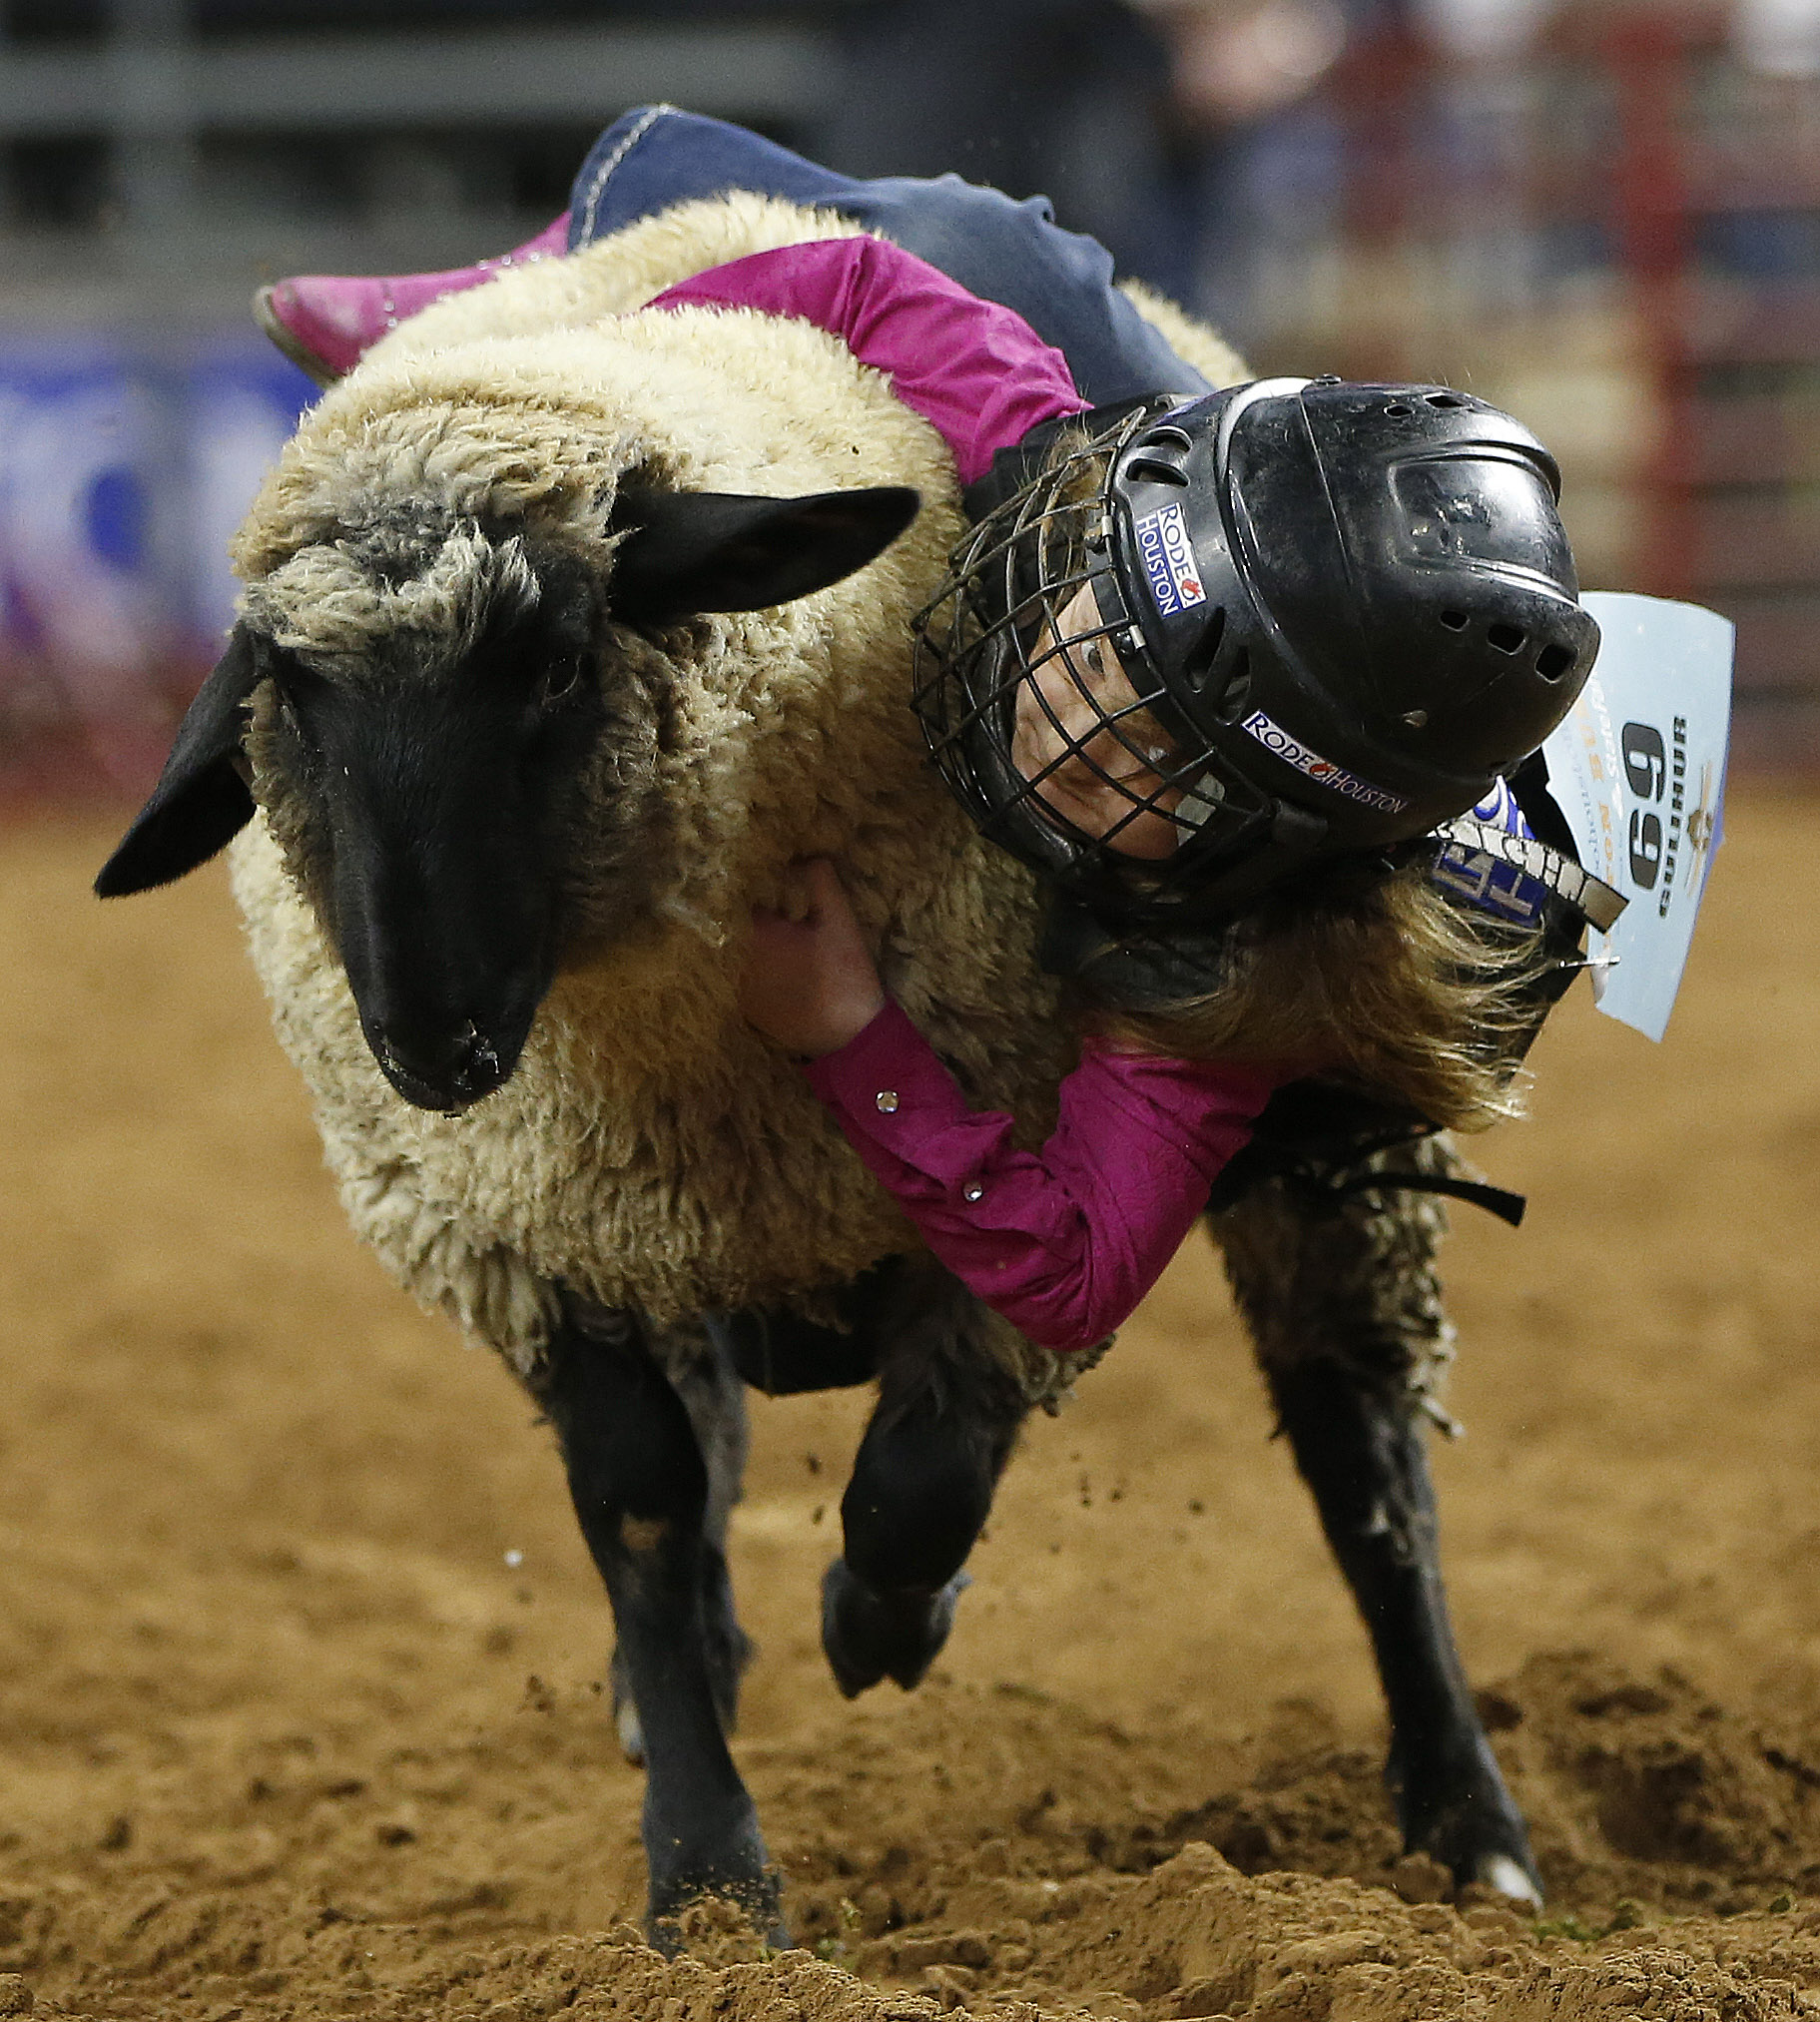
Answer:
x=1602 y=215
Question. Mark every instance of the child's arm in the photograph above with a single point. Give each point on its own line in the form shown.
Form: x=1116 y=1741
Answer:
x=1062 y=1242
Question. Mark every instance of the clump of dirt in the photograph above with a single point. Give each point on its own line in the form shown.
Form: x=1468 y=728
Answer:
x=1298 y=1794
x=1192 y=1939
x=1051 y=1888
x=1634 y=1788
x=1647 y=1787
x=1197 y=1939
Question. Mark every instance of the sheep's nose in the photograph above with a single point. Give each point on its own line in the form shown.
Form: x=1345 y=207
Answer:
x=440 y=1070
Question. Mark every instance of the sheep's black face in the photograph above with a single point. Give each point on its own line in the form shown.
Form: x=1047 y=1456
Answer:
x=455 y=746
x=428 y=805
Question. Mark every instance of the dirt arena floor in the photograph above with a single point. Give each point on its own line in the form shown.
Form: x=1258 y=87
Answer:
x=301 y=1658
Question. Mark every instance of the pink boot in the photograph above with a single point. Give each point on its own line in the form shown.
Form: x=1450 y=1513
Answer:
x=325 y=322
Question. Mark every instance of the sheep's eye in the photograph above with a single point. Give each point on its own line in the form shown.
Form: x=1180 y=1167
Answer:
x=560 y=680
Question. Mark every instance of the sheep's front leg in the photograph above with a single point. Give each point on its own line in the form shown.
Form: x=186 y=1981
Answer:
x=701 y=1369
x=921 y=1487
x=640 y=1486
x=1344 y=1305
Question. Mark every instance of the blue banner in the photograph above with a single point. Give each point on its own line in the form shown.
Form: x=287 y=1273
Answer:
x=124 y=467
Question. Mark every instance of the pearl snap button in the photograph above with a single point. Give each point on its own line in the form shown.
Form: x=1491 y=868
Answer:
x=886 y=1100
x=973 y=1192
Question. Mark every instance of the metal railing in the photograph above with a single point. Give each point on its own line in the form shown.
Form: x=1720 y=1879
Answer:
x=156 y=106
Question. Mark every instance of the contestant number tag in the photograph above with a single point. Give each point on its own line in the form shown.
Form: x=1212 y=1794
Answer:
x=1638 y=769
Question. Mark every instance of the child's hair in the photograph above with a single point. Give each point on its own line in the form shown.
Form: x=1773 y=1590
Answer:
x=1373 y=977
x=1380 y=984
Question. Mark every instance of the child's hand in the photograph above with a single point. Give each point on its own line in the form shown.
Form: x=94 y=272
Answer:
x=811 y=982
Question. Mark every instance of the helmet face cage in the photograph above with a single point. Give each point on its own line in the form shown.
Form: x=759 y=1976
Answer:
x=1224 y=638
x=1044 y=708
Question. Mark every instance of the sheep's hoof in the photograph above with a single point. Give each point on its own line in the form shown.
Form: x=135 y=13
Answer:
x=869 y=1635
x=697 y=1914
x=1464 y=1816
x=1499 y=1871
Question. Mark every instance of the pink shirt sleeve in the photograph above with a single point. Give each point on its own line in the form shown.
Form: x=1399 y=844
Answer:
x=1063 y=1242
x=974 y=368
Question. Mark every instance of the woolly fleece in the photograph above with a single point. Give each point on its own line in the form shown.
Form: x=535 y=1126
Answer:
x=651 y=1151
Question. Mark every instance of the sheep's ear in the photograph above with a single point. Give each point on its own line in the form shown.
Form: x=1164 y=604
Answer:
x=200 y=802
x=689 y=551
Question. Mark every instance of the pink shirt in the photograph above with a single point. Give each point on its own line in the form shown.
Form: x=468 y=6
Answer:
x=1063 y=1242
x=975 y=369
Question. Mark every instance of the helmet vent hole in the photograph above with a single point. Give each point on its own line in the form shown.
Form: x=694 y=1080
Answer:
x=1553 y=661
x=1507 y=638
x=1445 y=400
x=1400 y=408
x=1454 y=622
x=1199 y=663
x=1158 y=470
x=1238 y=687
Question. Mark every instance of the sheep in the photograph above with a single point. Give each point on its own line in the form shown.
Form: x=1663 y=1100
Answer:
x=564 y=632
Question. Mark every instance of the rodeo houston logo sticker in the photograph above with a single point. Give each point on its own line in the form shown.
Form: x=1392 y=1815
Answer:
x=1168 y=556
x=1323 y=771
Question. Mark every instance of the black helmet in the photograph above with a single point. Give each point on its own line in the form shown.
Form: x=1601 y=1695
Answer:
x=1338 y=613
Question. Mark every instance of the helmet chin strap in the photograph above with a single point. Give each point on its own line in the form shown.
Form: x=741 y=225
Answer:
x=1295 y=839
x=1160 y=952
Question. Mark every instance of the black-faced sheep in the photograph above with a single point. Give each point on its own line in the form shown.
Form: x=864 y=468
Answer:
x=565 y=632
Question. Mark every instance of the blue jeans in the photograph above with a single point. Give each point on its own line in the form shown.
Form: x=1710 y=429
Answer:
x=1059 y=282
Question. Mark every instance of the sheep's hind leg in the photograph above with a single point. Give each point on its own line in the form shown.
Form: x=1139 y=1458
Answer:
x=921 y=1486
x=1344 y=1305
x=641 y=1489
